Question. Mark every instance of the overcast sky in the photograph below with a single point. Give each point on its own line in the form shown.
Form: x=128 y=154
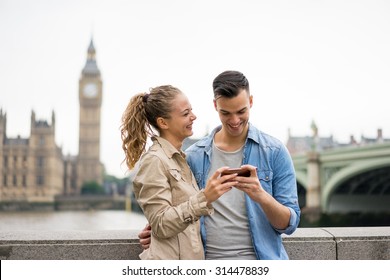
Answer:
x=327 y=61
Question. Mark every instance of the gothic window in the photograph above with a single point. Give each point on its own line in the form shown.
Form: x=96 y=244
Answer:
x=5 y=161
x=14 y=180
x=5 y=180
x=40 y=180
x=41 y=140
x=73 y=184
x=40 y=161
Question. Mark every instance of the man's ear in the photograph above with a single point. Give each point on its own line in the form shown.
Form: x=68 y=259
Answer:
x=161 y=123
x=215 y=104
x=250 y=101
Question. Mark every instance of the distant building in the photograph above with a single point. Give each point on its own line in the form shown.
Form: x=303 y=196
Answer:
x=31 y=168
x=298 y=145
x=379 y=138
x=34 y=169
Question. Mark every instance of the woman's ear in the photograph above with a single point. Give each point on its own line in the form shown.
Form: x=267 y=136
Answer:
x=161 y=123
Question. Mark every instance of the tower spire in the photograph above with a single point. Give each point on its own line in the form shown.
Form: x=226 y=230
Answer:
x=90 y=68
x=91 y=51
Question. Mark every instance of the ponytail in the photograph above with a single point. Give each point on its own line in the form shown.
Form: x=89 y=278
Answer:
x=135 y=129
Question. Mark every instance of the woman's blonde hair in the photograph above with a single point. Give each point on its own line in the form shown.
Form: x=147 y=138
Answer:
x=141 y=116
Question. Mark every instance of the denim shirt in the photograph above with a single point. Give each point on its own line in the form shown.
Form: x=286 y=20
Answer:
x=275 y=171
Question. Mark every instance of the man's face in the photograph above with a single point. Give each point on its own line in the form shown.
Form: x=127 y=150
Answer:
x=234 y=113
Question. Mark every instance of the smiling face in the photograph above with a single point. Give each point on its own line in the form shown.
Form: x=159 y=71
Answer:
x=234 y=114
x=179 y=125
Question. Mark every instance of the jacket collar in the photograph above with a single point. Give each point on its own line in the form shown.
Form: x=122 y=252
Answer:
x=166 y=146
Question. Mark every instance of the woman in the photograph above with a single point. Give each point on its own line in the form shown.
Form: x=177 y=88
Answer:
x=164 y=185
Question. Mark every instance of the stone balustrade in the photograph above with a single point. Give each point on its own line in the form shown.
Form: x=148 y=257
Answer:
x=354 y=243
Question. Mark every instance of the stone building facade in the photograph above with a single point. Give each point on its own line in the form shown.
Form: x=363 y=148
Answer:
x=34 y=169
x=301 y=145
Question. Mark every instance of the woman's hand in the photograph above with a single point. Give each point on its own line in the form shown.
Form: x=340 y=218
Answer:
x=217 y=185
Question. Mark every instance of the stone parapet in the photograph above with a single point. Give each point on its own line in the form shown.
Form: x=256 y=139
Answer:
x=357 y=243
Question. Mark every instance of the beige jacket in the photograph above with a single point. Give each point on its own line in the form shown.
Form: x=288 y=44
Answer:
x=169 y=196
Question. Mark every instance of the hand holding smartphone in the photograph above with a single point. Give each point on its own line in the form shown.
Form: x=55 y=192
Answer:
x=240 y=172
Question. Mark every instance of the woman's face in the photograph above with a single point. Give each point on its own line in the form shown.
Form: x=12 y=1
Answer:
x=179 y=125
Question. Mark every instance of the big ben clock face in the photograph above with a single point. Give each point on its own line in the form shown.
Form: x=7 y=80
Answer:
x=90 y=90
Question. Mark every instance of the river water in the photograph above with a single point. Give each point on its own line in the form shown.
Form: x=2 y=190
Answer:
x=72 y=220
x=124 y=220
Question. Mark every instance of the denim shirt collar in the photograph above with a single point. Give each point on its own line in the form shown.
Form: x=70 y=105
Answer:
x=207 y=142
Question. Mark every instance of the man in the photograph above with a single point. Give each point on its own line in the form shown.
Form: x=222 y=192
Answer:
x=249 y=219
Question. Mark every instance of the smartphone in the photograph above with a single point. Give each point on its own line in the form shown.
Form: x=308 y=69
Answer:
x=239 y=171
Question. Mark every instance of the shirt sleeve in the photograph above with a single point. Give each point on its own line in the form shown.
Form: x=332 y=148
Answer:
x=154 y=195
x=285 y=189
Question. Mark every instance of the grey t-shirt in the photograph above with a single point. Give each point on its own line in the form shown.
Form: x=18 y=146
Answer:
x=228 y=235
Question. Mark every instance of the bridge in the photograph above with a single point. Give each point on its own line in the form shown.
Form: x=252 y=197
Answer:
x=345 y=179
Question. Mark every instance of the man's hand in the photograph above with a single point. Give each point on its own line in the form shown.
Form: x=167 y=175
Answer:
x=144 y=237
x=277 y=214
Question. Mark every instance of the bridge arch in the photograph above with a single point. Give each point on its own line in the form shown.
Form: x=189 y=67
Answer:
x=301 y=178
x=347 y=173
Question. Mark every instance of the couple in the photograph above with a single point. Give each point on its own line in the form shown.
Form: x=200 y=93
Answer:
x=185 y=198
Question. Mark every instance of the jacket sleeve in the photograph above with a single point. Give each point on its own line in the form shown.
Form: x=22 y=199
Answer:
x=285 y=188
x=154 y=195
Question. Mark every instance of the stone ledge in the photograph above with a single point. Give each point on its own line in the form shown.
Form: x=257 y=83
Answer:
x=363 y=243
x=372 y=243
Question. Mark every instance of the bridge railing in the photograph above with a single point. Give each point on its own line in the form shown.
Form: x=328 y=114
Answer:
x=357 y=243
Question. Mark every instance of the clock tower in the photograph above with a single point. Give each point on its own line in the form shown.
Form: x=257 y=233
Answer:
x=89 y=167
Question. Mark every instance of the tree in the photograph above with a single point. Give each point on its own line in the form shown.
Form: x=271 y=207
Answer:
x=92 y=188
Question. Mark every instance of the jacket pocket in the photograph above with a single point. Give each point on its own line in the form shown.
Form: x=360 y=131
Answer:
x=265 y=177
x=175 y=174
x=175 y=182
